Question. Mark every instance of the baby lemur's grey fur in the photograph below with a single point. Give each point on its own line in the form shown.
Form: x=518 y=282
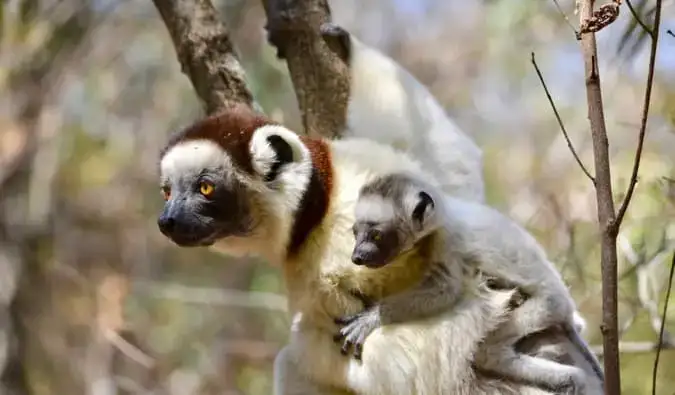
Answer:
x=398 y=211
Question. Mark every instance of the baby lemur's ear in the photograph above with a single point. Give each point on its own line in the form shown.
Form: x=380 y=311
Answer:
x=273 y=148
x=423 y=210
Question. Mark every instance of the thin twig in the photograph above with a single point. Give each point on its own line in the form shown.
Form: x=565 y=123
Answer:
x=557 y=5
x=645 y=115
x=638 y=20
x=560 y=122
x=663 y=320
x=670 y=32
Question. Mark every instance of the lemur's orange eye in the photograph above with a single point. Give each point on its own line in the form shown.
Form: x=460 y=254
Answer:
x=206 y=188
x=166 y=193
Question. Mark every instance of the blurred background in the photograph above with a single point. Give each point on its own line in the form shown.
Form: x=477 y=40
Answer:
x=94 y=300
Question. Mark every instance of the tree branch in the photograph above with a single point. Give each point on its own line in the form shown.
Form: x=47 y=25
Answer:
x=665 y=305
x=206 y=53
x=320 y=77
x=638 y=19
x=654 y=34
x=562 y=13
x=560 y=122
x=670 y=32
x=605 y=204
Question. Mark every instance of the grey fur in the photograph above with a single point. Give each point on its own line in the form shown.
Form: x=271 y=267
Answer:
x=458 y=232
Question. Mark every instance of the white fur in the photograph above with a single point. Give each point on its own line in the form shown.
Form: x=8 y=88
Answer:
x=389 y=105
x=579 y=322
x=375 y=208
x=190 y=157
x=293 y=180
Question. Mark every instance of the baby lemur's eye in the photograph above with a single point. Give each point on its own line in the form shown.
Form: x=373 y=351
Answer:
x=376 y=235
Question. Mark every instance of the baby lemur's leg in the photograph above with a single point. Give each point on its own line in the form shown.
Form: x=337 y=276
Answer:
x=498 y=354
x=438 y=292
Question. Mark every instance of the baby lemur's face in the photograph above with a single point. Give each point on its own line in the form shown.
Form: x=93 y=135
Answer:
x=377 y=243
x=385 y=227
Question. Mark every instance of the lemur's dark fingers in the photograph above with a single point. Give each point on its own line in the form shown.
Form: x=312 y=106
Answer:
x=344 y=350
x=358 y=345
x=358 y=351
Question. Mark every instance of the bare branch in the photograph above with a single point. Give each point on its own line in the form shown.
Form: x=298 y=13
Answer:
x=638 y=19
x=605 y=204
x=560 y=122
x=665 y=305
x=557 y=5
x=654 y=33
x=645 y=115
x=670 y=32
x=320 y=76
x=206 y=53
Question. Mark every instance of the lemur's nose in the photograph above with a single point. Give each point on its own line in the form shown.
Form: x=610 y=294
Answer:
x=357 y=259
x=166 y=224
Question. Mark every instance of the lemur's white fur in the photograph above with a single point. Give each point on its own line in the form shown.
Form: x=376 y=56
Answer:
x=191 y=157
x=389 y=105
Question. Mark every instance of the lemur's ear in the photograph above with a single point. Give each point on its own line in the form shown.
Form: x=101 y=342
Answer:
x=272 y=148
x=283 y=155
x=423 y=209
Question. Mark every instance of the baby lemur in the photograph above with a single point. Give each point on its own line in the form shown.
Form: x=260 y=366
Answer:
x=397 y=211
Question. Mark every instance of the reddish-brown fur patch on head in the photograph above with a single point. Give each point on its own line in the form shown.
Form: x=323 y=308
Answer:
x=316 y=200
x=231 y=129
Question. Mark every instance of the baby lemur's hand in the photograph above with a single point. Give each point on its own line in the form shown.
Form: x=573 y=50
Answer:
x=355 y=329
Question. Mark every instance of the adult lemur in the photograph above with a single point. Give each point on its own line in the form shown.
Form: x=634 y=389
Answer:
x=243 y=185
x=398 y=211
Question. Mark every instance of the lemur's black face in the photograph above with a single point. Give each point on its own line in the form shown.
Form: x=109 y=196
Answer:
x=205 y=202
x=376 y=243
x=203 y=208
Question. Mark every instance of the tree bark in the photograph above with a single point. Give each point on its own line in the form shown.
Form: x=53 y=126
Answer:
x=320 y=78
x=605 y=204
x=205 y=53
